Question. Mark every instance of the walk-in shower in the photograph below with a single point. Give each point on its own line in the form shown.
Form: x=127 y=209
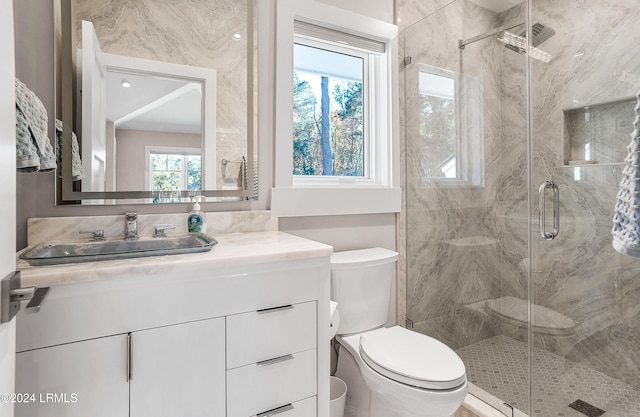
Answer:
x=546 y=327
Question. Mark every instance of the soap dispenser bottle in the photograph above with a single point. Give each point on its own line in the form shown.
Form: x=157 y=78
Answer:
x=196 y=220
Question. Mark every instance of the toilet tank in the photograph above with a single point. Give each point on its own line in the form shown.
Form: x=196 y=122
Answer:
x=361 y=285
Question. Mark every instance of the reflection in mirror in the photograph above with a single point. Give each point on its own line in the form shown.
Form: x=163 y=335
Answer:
x=147 y=105
x=450 y=128
x=163 y=100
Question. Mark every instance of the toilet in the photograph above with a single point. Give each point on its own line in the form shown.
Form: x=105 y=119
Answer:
x=389 y=372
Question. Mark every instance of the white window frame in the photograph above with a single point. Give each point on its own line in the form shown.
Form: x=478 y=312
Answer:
x=370 y=66
x=323 y=195
x=469 y=152
x=168 y=150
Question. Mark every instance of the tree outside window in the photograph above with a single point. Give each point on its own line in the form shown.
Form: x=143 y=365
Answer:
x=175 y=171
x=328 y=113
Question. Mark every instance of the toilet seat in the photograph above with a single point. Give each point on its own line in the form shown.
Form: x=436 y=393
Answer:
x=412 y=358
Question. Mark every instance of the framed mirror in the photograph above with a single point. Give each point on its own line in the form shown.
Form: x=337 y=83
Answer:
x=156 y=101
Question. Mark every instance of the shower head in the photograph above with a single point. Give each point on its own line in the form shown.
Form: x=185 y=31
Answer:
x=517 y=43
x=539 y=34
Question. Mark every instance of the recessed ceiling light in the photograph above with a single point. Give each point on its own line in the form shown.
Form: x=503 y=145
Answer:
x=237 y=36
x=125 y=83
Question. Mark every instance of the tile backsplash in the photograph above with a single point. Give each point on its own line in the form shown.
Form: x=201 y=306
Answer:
x=47 y=229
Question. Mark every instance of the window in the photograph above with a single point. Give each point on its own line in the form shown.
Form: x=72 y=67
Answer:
x=336 y=136
x=438 y=128
x=450 y=128
x=173 y=169
x=328 y=111
x=337 y=147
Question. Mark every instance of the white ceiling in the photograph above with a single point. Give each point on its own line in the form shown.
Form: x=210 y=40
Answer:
x=497 y=5
x=154 y=103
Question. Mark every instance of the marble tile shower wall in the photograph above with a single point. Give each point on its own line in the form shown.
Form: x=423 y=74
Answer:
x=512 y=194
x=453 y=260
x=577 y=275
x=188 y=32
x=596 y=60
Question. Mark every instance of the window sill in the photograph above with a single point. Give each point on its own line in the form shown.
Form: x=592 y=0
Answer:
x=298 y=202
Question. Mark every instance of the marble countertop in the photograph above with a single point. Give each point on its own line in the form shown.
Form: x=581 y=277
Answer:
x=233 y=249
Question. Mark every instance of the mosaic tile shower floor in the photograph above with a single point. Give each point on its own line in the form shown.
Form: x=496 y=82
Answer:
x=499 y=365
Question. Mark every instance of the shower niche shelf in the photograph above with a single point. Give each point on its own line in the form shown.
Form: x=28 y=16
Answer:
x=598 y=134
x=472 y=241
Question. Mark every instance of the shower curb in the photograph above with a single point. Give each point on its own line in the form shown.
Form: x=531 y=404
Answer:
x=472 y=406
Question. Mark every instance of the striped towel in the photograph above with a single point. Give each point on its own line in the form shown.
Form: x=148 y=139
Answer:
x=626 y=220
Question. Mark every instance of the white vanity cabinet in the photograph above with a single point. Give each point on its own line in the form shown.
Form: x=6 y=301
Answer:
x=271 y=360
x=168 y=371
x=69 y=380
x=178 y=370
x=244 y=340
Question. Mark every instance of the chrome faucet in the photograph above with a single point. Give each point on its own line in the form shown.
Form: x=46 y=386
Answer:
x=161 y=228
x=98 y=235
x=131 y=226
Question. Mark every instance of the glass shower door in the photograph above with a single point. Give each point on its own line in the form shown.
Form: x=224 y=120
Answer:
x=585 y=296
x=467 y=251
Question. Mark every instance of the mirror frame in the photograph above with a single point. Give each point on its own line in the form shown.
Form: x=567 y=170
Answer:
x=65 y=193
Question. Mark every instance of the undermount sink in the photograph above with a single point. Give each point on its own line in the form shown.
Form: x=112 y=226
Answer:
x=65 y=253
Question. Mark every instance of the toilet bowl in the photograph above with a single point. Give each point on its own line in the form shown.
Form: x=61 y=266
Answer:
x=389 y=372
x=408 y=374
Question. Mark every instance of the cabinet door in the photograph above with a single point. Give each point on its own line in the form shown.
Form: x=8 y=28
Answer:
x=179 y=371
x=79 y=379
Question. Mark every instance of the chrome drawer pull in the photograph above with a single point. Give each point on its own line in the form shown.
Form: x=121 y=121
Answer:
x=274 y=309
x=129 y=357
x=276 y=411
x=275 y=360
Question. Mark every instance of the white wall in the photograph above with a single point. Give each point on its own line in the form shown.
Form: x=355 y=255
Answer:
x=130 y=153
x=345 y=232
x=341 y=232
x=8 y=192
x=378 y=9
x=33 y=20
x=348 y=233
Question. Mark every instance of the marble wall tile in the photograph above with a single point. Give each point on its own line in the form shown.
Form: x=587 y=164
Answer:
x=451 y=270
x=461 y=328
x=412 y=11
x=188 y=32
x=579 y=275
x=47 y=229
x=453 y=256
x=600 y=131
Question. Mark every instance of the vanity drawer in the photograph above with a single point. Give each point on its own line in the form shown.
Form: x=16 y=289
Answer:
x=265 y=334
x=257 y=388
x=304 y=408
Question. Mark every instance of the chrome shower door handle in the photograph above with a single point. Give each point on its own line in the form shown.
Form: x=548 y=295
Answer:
x=556 y=210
